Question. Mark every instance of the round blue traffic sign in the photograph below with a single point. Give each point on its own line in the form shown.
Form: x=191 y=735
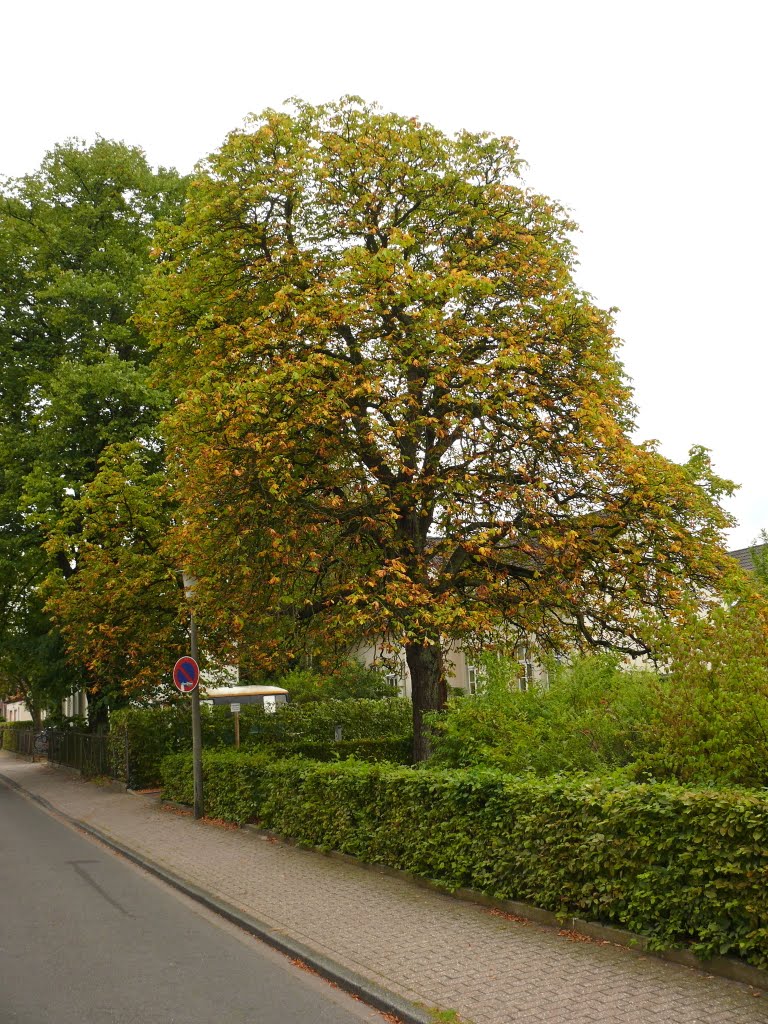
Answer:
x=186 y=674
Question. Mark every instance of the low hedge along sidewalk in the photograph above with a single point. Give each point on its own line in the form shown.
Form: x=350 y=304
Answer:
x=684 y=867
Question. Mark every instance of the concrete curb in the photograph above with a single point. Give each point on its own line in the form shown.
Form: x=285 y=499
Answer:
x=347 y=980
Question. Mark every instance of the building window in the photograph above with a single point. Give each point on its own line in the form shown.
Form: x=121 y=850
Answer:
x=525 y=679
x=472 y=676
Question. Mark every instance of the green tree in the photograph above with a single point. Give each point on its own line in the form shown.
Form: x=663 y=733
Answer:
x=74 y=368
x=122 y=614
x=33 y=663
x=759 y=555
x=399 y=416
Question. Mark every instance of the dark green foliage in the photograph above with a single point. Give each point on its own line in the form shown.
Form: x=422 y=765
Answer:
x=232 y=782
x=358 y=719
x=149 y=734
x=75 y=240
x=350 y=680
x=33 y=662
x=376 y=729
x=685 y=867
x=396 y=749
x=154 y=732
x=709 y=716
x=593 y=718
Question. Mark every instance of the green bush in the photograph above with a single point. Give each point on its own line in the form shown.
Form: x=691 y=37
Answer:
x=350 y=681
x=395 y=749
x=593 y=718
x=318 y=721
x=139 y=738
x=232 y=782
x=708 y=721
x=704 y=723
x=685 y=867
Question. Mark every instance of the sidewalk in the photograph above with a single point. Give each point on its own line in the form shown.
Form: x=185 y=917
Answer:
x=389 y=936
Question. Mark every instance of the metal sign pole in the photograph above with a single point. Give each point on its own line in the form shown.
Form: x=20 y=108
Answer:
x=235 y=709
x=197 y=732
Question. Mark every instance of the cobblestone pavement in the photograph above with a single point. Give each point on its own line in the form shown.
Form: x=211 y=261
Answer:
x=422 y=945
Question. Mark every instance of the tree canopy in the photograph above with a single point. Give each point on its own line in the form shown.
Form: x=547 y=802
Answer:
x=121 y=612
x=759 y=556
x=399 y=417
x=74 y=375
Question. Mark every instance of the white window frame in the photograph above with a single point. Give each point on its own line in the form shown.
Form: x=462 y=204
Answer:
x=473 y=676
x=394 y=679
x=526 y=679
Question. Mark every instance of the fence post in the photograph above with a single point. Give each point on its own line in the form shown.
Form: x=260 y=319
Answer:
x=127 y=760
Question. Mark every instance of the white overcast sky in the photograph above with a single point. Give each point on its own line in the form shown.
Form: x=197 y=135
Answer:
x=646 y=119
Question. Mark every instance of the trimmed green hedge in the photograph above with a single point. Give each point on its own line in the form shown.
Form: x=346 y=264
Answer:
x=141 y=737
x=395 y=749
x=371 y=729
x=317 y=722
x=685 y=867
x=233 y=782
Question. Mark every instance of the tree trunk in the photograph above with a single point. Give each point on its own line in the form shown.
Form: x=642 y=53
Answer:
x=26 y=692
x=98 y=714
x=429 y=691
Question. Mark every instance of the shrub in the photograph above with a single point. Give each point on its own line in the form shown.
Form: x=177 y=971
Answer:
x=709 y=716
x=318 y=721
x=232 y=782
x=592 y=718
x=686 y=867
x=140 y=737
x=351 y=681
x=703 y=723
x=395 y=749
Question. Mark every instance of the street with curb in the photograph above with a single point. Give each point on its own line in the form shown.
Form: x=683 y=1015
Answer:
x=409 y=950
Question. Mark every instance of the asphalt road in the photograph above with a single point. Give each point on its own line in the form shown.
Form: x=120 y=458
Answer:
x=88 y=938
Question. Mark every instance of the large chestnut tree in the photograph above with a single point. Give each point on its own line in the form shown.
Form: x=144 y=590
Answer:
x=399 y=417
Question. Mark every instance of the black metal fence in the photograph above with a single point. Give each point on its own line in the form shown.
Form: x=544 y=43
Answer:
x=85 y=751
x=23 y=741
x=89 y=753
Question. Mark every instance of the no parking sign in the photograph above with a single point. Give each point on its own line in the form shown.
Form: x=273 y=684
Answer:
x=186 y=674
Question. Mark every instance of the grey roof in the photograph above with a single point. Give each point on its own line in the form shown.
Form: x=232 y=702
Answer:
x=744 y=555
